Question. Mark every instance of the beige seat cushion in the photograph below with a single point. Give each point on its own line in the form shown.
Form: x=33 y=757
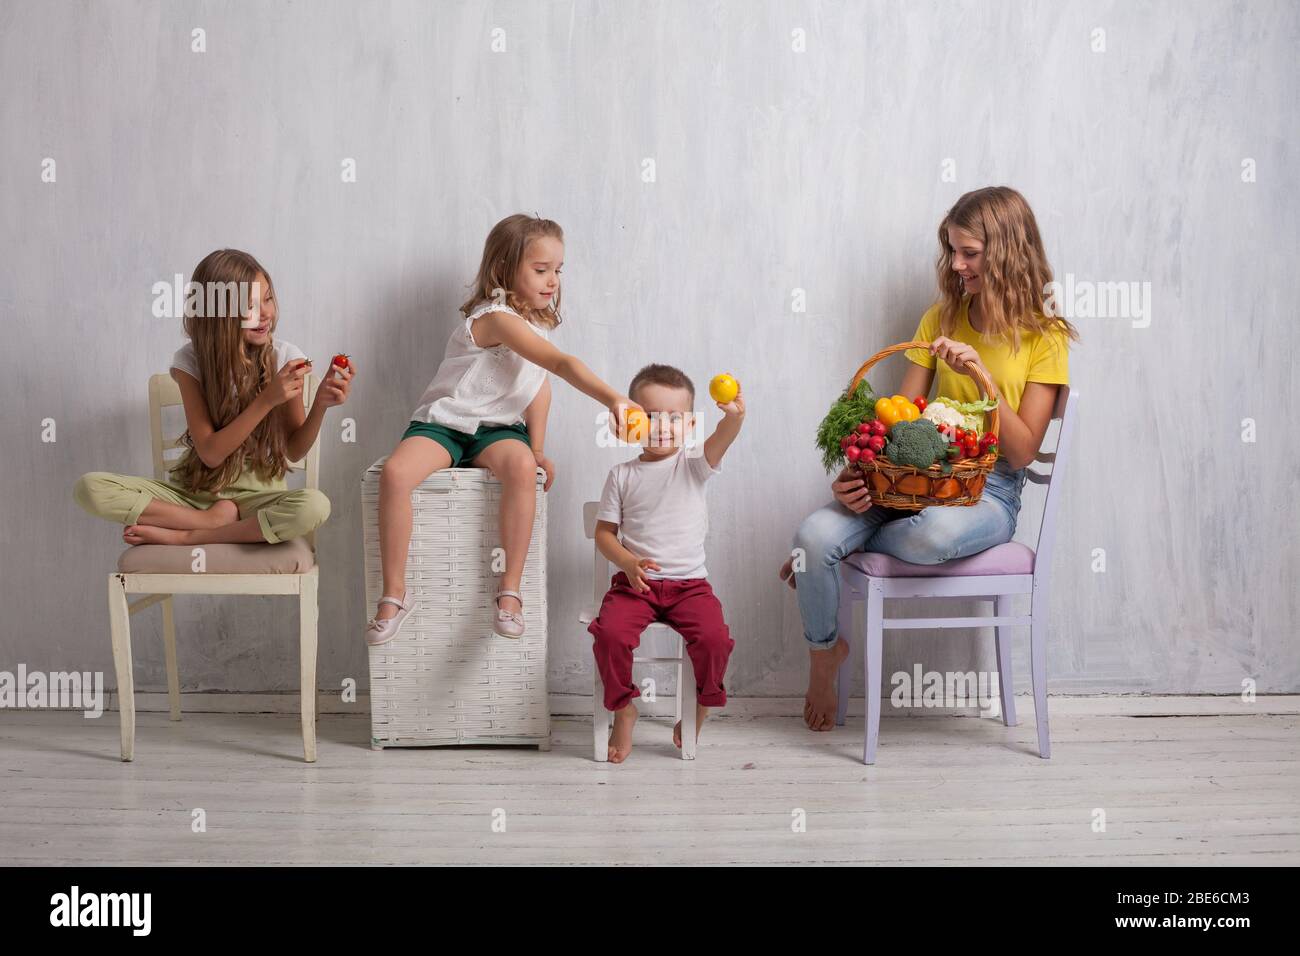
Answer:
x=288 y=557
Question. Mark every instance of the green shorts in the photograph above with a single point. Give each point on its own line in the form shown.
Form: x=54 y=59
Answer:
x=462 y=446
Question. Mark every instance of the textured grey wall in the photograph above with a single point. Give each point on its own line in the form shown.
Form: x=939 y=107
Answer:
x=776 y=170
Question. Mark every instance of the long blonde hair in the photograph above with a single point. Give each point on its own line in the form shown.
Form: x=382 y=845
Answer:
x=1013 y=295
x=231 y=375
x=502 y=253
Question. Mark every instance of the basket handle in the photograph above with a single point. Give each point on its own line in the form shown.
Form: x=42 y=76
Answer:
x=981 y=377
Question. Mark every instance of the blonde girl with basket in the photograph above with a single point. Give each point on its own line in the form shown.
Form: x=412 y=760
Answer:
x=992 y=314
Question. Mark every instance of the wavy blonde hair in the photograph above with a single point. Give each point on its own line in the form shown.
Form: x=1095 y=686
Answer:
x=502 y=253
x=231 y=375
x=1013 y=297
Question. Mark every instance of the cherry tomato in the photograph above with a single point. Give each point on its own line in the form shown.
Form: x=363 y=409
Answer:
x=920 y=403
x=341 y=361
x=960 y=434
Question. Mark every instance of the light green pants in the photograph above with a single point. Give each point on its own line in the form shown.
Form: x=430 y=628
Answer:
x=281 y=514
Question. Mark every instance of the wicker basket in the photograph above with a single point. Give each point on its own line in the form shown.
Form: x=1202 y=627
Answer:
x=911 y=489
x=447 y=678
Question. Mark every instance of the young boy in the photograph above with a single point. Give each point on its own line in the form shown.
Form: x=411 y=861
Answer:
x=657 y=502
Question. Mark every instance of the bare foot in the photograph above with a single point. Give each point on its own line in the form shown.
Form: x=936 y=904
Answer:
x=386 y=610
x=222 y=512
x=620 y=740
x=148 y=534
x=700 y=713
x=787 y=572
x=820 y=702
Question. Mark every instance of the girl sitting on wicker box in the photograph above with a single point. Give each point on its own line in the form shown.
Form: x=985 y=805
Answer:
x=656 y=502
x=487 y=407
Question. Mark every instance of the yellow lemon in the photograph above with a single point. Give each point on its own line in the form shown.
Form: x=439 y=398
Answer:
x=636 y=427
x=724 y=388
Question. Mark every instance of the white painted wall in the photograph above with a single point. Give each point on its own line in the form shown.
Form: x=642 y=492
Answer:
x=818 y=170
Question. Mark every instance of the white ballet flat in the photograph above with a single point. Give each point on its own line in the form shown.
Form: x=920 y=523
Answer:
x=508 y=623
x=381 y=632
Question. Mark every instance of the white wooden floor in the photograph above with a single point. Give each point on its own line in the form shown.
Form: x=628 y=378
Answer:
x=954 y=790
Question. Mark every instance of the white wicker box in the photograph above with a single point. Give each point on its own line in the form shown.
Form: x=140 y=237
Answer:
x=447 y=678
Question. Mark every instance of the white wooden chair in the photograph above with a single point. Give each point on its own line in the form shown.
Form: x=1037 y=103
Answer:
x=160 y=587
x=655 y=634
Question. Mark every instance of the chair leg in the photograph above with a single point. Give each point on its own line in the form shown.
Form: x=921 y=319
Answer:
x=307 y=621
x=849 y=618
x=1002 y=642
x=119 y=621
x=871 y=657
x=1038 y=666
x=600 y=718
x=169 y=652
x=686 y=693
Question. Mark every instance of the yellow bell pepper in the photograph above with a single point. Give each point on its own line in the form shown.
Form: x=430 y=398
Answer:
x=907 y=412
x=887 y=412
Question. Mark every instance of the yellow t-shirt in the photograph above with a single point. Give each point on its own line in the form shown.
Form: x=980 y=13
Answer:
x=1041 y=358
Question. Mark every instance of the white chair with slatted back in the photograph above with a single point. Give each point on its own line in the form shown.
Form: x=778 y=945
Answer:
x=159 y=587
x=655 y=634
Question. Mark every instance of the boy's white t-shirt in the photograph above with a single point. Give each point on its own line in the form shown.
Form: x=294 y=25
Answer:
x=188 y=362
x=660 y=510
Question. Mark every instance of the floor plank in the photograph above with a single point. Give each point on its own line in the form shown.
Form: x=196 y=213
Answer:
x=1175 y=790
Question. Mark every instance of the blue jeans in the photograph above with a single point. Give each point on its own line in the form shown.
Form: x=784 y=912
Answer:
x=929 y=536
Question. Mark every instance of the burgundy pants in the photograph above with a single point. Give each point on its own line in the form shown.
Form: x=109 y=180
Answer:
x=689 y=607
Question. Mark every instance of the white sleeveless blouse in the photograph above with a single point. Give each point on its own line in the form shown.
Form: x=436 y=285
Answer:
x=476 y=386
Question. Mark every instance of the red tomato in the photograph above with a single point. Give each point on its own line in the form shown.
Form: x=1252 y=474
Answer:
x=960 y=434
x=340 y=360
x=919 y=402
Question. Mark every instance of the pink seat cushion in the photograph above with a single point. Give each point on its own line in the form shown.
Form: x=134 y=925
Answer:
x=1010 y=558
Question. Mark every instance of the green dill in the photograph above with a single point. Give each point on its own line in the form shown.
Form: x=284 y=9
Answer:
x=844 y=416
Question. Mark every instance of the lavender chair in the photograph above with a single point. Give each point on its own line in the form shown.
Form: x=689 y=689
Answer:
x=997 y=573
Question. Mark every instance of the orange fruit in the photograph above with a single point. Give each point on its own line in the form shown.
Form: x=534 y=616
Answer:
x=724 y=388
x=636 y=427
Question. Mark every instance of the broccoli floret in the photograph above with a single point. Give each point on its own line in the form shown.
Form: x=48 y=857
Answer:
x=916 y=443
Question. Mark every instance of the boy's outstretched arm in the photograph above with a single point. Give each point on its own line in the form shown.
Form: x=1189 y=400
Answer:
x=733 y=416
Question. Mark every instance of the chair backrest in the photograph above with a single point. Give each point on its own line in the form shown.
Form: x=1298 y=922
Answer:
x=600 y=570
x=165 y=393
x=1064 y=413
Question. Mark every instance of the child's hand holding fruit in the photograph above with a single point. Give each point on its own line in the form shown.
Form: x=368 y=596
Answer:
x=629 y=420
x=725 y=390
x=338 y=382
x=286 y=385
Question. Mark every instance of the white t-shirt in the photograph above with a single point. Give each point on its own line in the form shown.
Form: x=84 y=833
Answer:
x=480 y=386
x=188 y=362
x=660 y=510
